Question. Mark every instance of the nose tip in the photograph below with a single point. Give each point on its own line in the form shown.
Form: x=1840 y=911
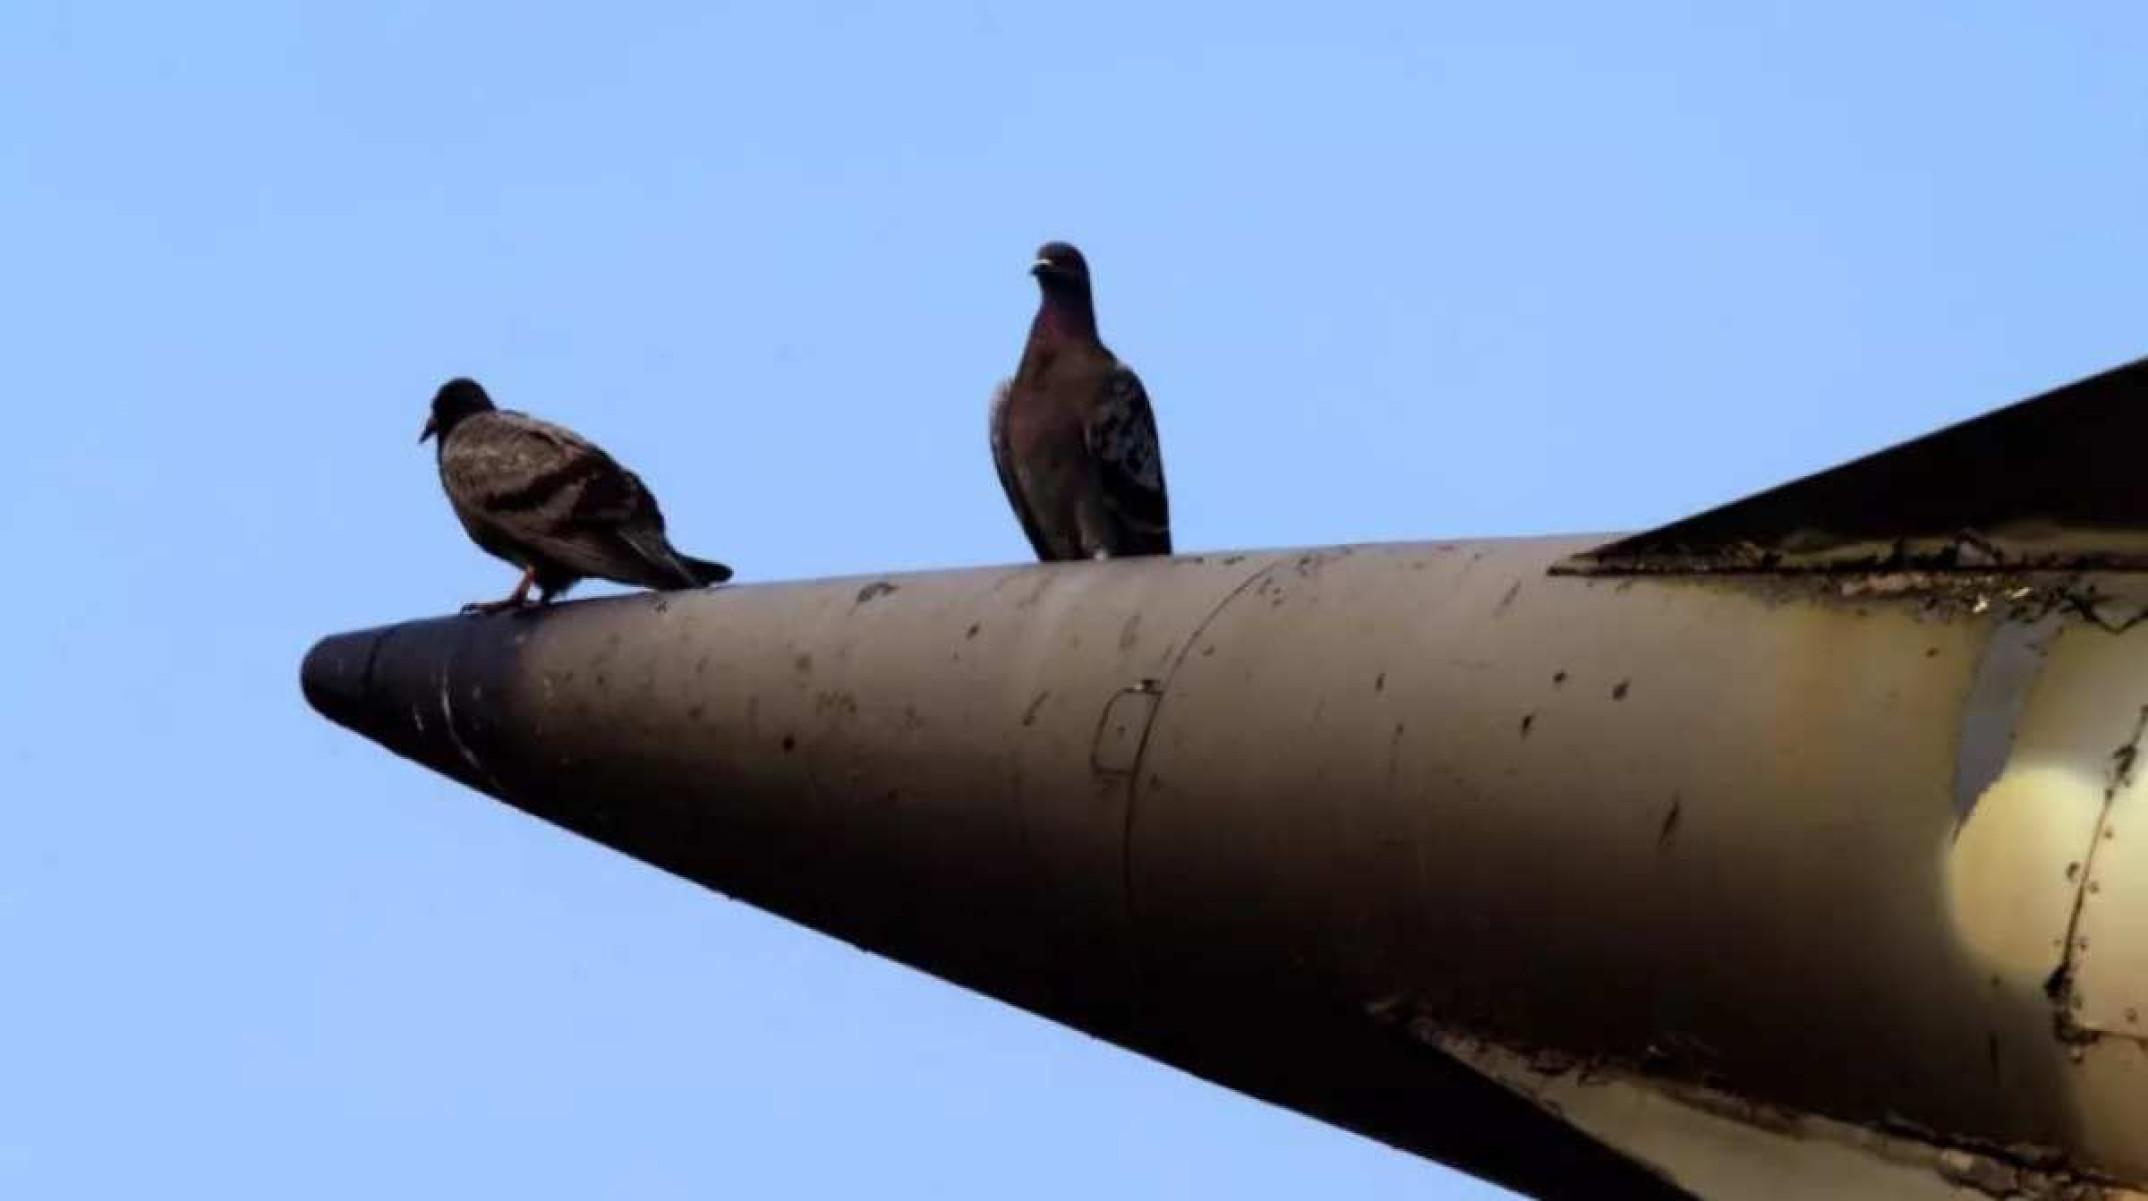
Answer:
x=426 y=690
x=336 y=675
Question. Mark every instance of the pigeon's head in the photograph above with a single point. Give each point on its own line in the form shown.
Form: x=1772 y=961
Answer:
x=458 y=398
x=1059 y=265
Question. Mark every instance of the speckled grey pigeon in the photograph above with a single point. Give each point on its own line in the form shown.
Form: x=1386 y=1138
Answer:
x=1072 y=434
x=550 y=502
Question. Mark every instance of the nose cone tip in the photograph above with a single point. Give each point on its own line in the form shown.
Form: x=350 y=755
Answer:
x=393 y=685
x=335 y=675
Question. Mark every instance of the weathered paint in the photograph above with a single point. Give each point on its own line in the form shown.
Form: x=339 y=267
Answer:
x=1727 y=1146
x=2049 y=482
x=1359 y=829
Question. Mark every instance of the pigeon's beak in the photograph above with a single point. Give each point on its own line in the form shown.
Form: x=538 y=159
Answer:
x=1040 y=266
x=432 y=426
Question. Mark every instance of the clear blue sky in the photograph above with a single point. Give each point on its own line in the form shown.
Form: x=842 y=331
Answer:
x=1390 y=270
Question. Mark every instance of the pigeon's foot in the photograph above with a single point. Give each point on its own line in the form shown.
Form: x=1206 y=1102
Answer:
x=518 y=599
x=487 y=608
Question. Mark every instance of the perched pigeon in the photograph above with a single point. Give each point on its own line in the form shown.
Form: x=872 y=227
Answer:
x=1072 y=434
x=546 y=500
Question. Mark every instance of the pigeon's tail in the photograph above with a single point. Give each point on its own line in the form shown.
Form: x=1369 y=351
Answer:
x=673 y=569
x=704 y=571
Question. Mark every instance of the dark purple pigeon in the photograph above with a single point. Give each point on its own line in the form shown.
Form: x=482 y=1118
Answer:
x=1072 y=433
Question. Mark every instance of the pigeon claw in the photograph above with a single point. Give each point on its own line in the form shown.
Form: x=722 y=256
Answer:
x=487 y=608
x=518 y=599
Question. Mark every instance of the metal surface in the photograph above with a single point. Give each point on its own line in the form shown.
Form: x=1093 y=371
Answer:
x=1409 y=838
x=1796 y=849
x=2048 y=482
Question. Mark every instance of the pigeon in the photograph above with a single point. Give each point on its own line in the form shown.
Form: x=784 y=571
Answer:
x=1073 y=437
x=550 y=502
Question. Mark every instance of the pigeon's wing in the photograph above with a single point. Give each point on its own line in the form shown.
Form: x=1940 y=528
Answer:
x=1003 y=462
x=554 y=492
x=512 y=466
x=615 y=529
x=1122 y=441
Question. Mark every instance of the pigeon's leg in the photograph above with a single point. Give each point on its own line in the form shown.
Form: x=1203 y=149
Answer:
x=1094 y=531
x=515 y=600
x=550 y=588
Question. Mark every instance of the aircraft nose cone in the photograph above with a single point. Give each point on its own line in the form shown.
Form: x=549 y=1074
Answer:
x=335 y=675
